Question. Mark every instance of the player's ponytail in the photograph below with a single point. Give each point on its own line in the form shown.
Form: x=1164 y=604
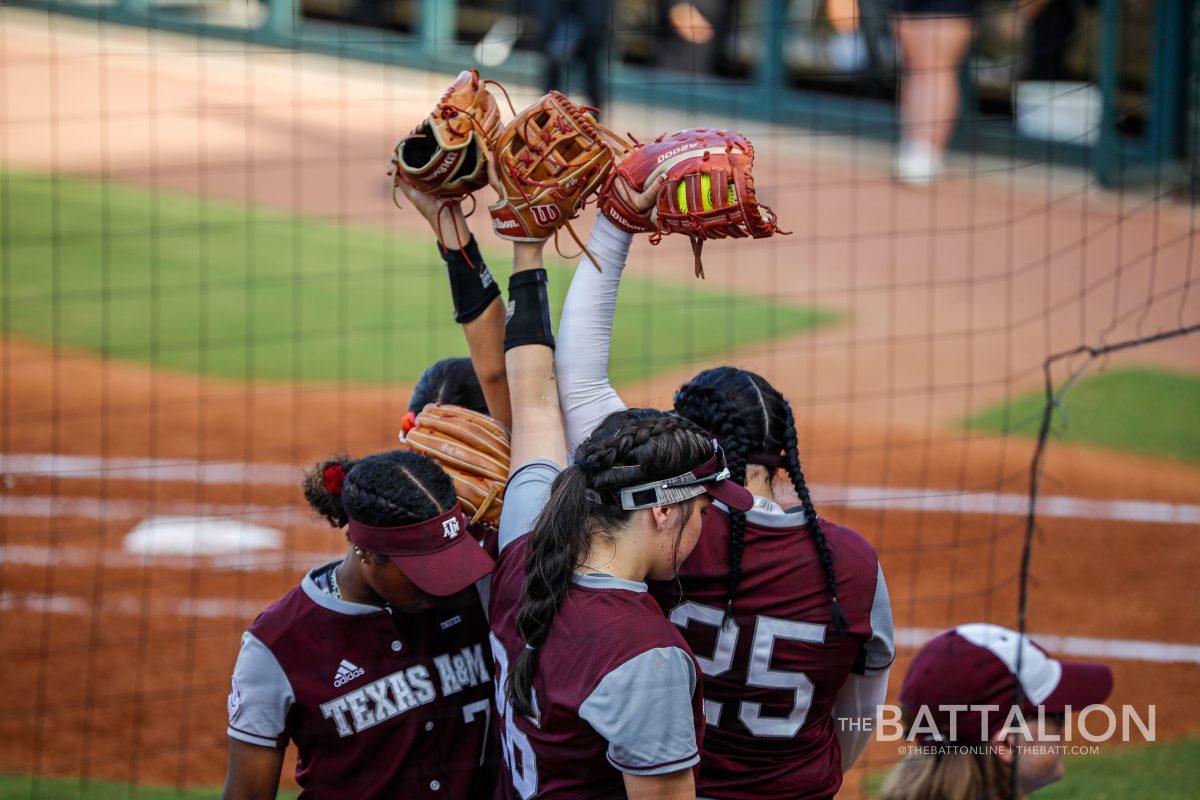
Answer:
x=556 y=544
x=628 y=448
x=751 y=417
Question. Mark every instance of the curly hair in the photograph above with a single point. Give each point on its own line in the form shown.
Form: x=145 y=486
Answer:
x=386 y=489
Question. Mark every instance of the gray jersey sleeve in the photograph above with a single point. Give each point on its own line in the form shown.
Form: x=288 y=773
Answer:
x=260 y=696
x=644 y=709
x=525 y=496
x=880 y=649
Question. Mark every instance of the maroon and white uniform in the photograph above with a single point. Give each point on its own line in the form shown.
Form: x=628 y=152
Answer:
x=774 y=670
x=617 y=689
x=379 y=704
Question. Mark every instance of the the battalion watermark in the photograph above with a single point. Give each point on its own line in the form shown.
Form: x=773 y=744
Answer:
x=1075 y=732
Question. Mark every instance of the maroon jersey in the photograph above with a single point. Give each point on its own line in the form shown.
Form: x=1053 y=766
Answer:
x=379 y=704
x=616 y=688
x=773 y=671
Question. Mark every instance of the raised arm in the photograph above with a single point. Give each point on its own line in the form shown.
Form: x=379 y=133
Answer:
x=585 y=330
x=538 y=448
x=585 y=333
x=477 y=302
x=537 y=427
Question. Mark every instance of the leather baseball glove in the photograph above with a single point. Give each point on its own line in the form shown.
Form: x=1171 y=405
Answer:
x=473 y=448
x=548 y=161
x=446 y=155
x=706 y=189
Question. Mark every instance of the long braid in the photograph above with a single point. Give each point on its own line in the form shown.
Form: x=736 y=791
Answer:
x=628 y=448
x=791 y=451
x=717 y=412
x=750 y=416
x=556 y=545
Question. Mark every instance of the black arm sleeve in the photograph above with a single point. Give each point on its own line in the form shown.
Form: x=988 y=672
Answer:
x=472 y=287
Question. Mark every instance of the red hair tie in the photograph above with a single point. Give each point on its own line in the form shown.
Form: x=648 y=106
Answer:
x=408 y=422
x=334 y=476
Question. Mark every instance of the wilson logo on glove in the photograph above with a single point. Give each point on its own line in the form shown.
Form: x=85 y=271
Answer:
x=546 y=215
x=548 y=162
x=447 y=164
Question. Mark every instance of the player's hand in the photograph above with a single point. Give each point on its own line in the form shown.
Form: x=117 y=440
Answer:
x=444 y=216
x=646 y=199
x=643 y=200
x=426 y=204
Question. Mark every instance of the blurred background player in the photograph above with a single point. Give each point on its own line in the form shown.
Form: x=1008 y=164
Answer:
x=377 y=666
x=598 y=694
x=934 y=36
x=575 y=32
x=755 y=578
x=985 y=665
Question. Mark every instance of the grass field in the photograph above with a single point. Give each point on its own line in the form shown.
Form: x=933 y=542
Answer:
x=1136 y=409
x=227 y=290
x=1160 y=771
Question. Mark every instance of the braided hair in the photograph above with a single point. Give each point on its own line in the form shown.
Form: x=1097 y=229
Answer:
x=628 y=448
x=451 y=380
x=748 y=415
x=385 y=490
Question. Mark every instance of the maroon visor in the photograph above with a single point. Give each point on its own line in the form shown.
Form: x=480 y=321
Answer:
x=439 y=555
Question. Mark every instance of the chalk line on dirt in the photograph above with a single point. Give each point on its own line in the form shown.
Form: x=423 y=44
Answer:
x=230 y=608
x=1083 y=646
x=931 y=500
x=107 y=558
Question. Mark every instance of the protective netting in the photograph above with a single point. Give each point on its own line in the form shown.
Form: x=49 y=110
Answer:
x=205 y=288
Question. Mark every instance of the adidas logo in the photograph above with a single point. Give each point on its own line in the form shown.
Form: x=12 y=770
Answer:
x=346 y=672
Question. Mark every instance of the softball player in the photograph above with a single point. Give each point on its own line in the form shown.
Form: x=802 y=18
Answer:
x=962 y=671
x=451 y=380
x=789 y=616
x=377 y=666
x=598 y=694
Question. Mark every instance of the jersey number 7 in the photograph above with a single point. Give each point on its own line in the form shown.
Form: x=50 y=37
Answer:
x=767 y=631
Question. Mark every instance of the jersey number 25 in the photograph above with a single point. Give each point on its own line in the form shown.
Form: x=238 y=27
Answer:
x=767 y=631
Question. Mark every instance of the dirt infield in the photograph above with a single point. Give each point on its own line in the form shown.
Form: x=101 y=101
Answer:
x=117 y=667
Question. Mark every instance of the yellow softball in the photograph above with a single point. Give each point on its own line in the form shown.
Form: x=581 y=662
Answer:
x=705 y=192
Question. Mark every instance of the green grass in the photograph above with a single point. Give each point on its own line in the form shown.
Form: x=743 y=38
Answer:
x=22 y=787
x=229 y=290
x=1163 y=771
x=1160 y=771
x=1135 y=409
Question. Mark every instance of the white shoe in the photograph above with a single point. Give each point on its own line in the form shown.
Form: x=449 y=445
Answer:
x=917 y=164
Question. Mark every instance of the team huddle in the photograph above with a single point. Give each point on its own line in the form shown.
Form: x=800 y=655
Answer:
x=547 y=593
